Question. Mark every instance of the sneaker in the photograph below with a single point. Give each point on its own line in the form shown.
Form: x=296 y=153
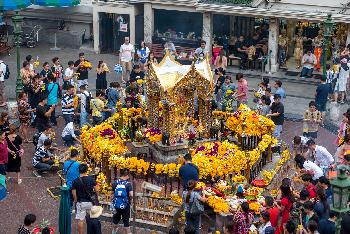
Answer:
x=36 y=173
x=342 y=102
x=19 y=181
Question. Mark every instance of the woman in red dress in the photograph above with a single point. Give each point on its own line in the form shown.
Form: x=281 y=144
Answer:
x=285 y=207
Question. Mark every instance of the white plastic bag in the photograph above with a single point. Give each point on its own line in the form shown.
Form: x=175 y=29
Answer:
x=334 y=111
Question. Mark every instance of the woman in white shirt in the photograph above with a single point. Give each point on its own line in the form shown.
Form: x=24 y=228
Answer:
x=142 y=54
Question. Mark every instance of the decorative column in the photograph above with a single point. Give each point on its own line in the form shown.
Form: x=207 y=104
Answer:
x=291 y=26
x=148 y=23
x=96 y=29
x=232 y=25
x=132 y=27
x=272 y=65
x=348 y=36
x=207 y=33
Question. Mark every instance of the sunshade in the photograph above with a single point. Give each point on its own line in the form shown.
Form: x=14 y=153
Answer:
x=11 y=5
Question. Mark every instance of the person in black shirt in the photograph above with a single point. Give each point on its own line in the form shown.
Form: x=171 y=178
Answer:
x=82 y=190
x=221 y=73
x=42 y=114
x=29 y=220
x=136 y=73
x=83 y=72
x=242 y=51
x=277 y=115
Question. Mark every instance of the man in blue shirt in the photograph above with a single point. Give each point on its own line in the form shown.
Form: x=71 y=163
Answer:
x=71 y=167
x=189 y=171
x=327 y=226
x=113 y=97
x=321 y=97
x=52 y=96
x=280 y=90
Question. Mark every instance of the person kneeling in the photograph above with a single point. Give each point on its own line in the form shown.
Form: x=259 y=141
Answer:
x=43 y=158
x=69 y=135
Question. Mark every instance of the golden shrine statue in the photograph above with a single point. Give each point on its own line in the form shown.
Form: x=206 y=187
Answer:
x=318 y=42
x=173 y=93
x=282 y=48
x=299 y=46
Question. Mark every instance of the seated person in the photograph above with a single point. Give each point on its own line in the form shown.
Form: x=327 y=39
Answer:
x=43 y=158
x=308 y=61
x=227 y=85
x=242 y=50
x=69 y=136
x=128 y=103
x=136 y=73
x=133 y=89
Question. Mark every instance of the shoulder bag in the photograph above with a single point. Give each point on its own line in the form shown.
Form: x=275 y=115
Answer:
x=93 y=195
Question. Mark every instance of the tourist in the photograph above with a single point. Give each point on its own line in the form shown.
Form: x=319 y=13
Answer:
x=264 y=107
x=190 y=196
x=83 y=190
x=309 y=213
x=3 y=75
x=43 y=159
x=268 y=93
x=93 y=223
x=67 y=103
x=308 y=184
x=151 y=59
x=123 y=193
x=227 y=85
x=3 y=153
x=26 y=75
x=4 y=122
x=280 y=90
x=327 y=226
x=189 y=229
x=242 y=51
x=24 y=115
x=57 y=71
x=113 y=97
x=311 y=121
x=46 y=134
x=68 y=75
x=277 y=115
x=220 y=72
x=42 y=114
x=308 y=166
x=340 y=86
x=69 y=135
x=290 y=228
x=342 y=149
x=242 y=90
x=311 y=228
x=330 y=80
x=299 y=145
x=15 y=153
x=201 y=50
x=309 y=61
x=27 y=227
x=35 y=92
x=30 y=60
x=273 y=211
x=82 y=70
x=44 y=74
x=85 y=108
x=133 y=89
x=126 y=55
x=345 y=223
x=286 y=205
x=243 y=219
x=98 y=107
x=229 y=228
x=137 y=73
x=324 y=184
x=323 y=158
x=169 y=46
x=71 y=167
x=188 y=171
x=143 y=54
x=321 y=206
x=101 y=80
x=321 y=97
x=221 y=60
x=52 y=97
x=343 y=129
x=265 y=224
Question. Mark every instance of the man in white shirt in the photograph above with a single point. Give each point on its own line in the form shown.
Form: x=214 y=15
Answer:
x=201 y=51
x=68 y=75
x=85 y=97
x=126 y=55
x=308 y=167
x=2 y=83
x=309 y=61
x=68 y=135
x=323 y=158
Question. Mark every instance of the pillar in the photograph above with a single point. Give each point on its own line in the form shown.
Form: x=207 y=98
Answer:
x=291 y=26
x=96 y=29
x=207 y=33
x=348 y=36
x=148 y=23
x=232 y=25
x=132 y=27
x=272 y=66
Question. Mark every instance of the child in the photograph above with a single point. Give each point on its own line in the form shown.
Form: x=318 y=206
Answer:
x=93 y=222
x=68 y=75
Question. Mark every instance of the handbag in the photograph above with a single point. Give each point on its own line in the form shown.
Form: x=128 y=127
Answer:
x=93 y=196
x=19 y=152
x=196 y=207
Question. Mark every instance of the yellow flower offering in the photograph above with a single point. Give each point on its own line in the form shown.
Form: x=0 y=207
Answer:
x=218 y=204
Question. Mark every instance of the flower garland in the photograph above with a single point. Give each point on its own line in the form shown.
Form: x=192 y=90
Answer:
x=218 y=204
x=153 y=135
x=102 y=186
x=268 y=175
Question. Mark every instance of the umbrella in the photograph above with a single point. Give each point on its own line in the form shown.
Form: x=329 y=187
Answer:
x=65 y=211
x=11 y=5
x=56 y=3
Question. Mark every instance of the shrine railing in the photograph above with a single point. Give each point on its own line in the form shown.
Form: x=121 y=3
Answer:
x=228 y=2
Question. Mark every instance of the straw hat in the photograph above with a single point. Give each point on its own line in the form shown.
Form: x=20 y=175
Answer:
x=96 y=211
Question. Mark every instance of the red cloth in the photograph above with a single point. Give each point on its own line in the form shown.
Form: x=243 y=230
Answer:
x=3 y=152
x=312 y=190
x=274 y=213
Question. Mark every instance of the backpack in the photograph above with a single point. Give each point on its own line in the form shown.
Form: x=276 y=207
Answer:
x=120 y=200
x=36 y=137
x=6 y=72
x=87 y=106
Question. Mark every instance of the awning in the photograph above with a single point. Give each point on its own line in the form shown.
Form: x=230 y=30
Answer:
x=11 y=5
x=56 y=3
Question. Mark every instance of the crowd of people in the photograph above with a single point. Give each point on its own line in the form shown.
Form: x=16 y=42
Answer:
x=55 y=89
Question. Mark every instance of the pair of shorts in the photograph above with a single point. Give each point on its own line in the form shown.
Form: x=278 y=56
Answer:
x=82 y=208
x=277 y=131
x=321 y=107
x=127 y=66
x=340 y=86
x=123 y=214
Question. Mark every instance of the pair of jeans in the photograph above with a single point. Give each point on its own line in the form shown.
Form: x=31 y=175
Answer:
x=44 y=166
x=53 y=116
x=306 y=72
x=68 y=118
x=83 y=118
x=68 y=140
x=193 y=220
x=277 y=131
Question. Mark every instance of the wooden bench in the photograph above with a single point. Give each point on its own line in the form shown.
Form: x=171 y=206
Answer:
x=4 y=47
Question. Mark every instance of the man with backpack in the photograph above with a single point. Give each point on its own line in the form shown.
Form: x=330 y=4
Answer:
x=4 y=75
x=123 y=193
x=85 y=109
